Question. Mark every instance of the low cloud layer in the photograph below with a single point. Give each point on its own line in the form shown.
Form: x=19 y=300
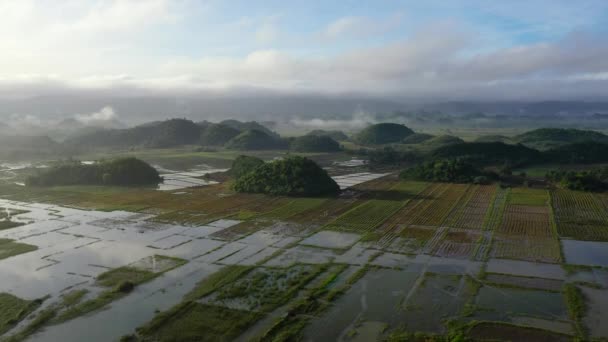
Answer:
x=106 y=116
x=359 y=120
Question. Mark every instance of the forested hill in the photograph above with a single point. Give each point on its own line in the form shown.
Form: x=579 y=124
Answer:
x=166 y=134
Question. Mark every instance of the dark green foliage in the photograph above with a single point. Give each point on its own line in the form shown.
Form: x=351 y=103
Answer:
x=336 y=135
x=124 y=171
x=578 y=153
x=383 y=133
x=590 y=180
x=390 y=156
x=446 y=170
x=443 y=140
x=169 y=133
x=490 y=153
x=577 y=307
x=558 y=136
x=417 y=138
x=243 y=165
x=314 y=143
x=494 y=138
x=295 y=176
x=218 y=134
x=255 y=140
x=244 y=126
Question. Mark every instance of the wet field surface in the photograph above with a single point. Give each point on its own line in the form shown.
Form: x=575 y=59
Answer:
x=357 y=286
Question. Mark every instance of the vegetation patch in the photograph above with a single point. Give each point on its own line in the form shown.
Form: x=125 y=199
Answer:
x=314 y=143
x=579 y=215
x=293 y=176
x=483 y=331
x=199 y=322
x=9 y=248
x=123 y=171
x=14 y=309
x=383 y=133
x=577 y=307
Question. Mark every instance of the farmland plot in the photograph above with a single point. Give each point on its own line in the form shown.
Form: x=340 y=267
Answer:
x=441 y=206
x=365 y=217
x=473 y=215
x=457 y=243
x=526 y=231
x=579 y=215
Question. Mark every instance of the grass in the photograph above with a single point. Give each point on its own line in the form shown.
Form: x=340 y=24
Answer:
x=294 y=207
x=7 y=224
x=14 y=309
x=9 y=248
x=217 y=280
x=527 y=196
x=115 y=277
x=366 y=216
x=577 y=307
x=200 y=322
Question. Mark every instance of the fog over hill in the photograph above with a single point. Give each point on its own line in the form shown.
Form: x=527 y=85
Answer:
x=74 y=112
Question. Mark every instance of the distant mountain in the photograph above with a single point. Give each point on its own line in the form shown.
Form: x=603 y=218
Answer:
x=27 y=147
x=169 y=133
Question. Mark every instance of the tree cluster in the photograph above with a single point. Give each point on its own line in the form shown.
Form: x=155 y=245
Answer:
x=293 y=176
x=123 y=172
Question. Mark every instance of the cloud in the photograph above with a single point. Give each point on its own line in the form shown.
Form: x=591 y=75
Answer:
x=101 y=118
x=359 y=119
x=358 y=26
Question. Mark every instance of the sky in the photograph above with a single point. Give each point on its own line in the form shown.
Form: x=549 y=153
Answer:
x=481 y=50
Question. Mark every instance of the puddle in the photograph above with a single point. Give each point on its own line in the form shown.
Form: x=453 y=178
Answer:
x=585 y=252
x=502 y=304
x=595 y=319
x=331 y=239
x=526 y=269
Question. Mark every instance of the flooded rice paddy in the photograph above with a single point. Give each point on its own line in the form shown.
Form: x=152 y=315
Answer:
x=73 y=274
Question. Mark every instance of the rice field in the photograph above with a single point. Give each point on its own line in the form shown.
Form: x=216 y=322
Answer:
x=580 y=215
x=383 y=261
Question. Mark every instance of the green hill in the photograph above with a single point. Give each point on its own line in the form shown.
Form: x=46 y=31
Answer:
x=494 y=138
x=489 y=153
x=442 y=140
x=255 y=140
x=314 y=143
x=336 y=135
x=169 y=133
x=578 y=153
x=545 y=138
x=417 y=138
x=293 y=176
x=383 y=133
x=218 y=134
x=245 y=126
